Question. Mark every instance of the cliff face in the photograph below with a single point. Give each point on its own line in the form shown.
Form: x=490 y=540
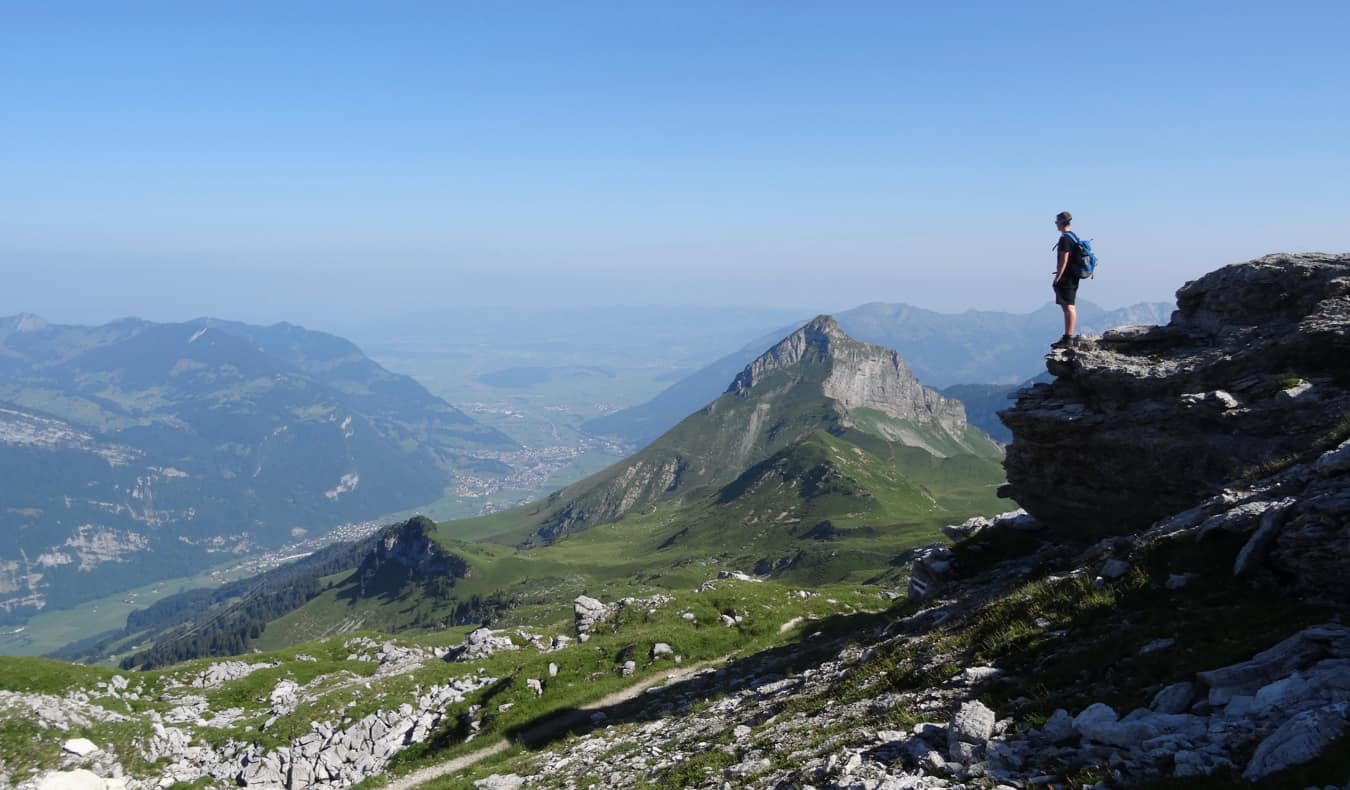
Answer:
x=1251 y=374
x=411 y=549
x=858 y=376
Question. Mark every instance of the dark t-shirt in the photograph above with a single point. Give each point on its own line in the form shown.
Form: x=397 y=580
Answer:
x=1066 y=245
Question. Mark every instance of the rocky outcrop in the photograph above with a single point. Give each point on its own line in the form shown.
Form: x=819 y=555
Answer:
x=225 y=671
x=411 y=546
x=588 y=612
x=1144 y=422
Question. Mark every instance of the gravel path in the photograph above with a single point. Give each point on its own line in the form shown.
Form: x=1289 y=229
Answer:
x=549 y=726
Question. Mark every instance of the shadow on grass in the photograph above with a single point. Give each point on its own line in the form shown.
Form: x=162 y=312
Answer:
x=821 y=640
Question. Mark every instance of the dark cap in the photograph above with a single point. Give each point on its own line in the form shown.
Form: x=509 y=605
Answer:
x=1064 y=218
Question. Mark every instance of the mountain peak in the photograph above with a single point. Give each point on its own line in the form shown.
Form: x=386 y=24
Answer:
x=858 y=377
x=816 y=341
x=26 y=322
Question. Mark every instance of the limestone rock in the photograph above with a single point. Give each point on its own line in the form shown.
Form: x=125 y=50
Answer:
x=972 y=724
x=931 y=570
x=500 y=782
x=1300 y=739
x=79 y=779
x=481 y=643
x=588 y=611
x=1175 y=698
x=1110 y=445
x=226 y=671
x=80 y=747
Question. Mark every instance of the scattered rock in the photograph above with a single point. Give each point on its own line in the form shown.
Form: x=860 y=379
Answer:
x=80 y=747
x=1176 y=698
x=1157 y=646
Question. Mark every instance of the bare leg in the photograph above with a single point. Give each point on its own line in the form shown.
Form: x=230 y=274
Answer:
x=1070 y=319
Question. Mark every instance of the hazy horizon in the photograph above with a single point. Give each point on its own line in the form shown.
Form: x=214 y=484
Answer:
x=314 y=164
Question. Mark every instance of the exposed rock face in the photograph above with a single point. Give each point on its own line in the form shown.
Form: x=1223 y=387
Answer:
x=1148 y=421
x=411 y=546
x=861 y=376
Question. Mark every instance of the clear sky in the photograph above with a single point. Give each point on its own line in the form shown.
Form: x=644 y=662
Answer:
x=281 y=160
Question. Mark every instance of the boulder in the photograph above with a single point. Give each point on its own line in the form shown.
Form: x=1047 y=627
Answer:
x=972 y=724
x=80 y=747
x=1059 y=727
x=1299 y=739
x=587 y=612
x=481 y=643
x=1176 y=698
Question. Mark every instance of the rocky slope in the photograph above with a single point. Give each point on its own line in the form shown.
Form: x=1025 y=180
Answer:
x=1146 y=421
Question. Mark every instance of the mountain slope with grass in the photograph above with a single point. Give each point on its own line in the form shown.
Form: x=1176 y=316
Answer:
x=817 y=379
x=137 y=451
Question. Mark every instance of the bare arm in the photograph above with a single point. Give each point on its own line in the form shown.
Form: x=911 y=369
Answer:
x=1063 y=265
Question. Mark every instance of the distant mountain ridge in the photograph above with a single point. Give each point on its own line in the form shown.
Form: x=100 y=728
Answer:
x=976 y=347
x=134 y=450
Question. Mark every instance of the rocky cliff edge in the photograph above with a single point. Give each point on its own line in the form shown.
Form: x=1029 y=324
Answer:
x=1251 y=374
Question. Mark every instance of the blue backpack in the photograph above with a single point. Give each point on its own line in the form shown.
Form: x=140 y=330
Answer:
x=1087 y=259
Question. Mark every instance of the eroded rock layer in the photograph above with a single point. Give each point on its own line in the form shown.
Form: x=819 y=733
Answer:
x=1252 y=373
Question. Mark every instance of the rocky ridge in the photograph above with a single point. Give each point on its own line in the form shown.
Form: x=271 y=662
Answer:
x=1250 y=371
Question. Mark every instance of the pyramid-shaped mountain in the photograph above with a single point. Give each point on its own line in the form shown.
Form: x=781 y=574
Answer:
x=816 y=380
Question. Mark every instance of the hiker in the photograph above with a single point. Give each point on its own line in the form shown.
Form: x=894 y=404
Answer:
x=1067 y=276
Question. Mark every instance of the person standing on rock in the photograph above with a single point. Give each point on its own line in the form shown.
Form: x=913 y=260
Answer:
x=1067 y=254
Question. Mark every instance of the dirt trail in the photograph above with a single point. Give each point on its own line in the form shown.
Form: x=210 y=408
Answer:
x=550 y=726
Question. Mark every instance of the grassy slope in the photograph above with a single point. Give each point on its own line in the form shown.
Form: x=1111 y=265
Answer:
x=827 y=509
x=1065 y=644
x=587 y=672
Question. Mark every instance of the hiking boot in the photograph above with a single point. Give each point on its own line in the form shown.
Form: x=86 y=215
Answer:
x=1063 y=342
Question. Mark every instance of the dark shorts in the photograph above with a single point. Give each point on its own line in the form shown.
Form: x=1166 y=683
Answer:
x=1066 y=290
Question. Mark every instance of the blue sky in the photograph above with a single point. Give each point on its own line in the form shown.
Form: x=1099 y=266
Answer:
x=273 y=161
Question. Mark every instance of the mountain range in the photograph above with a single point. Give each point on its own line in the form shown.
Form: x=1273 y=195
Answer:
x=820 y=461
x=135 y=451
x=943 y=349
